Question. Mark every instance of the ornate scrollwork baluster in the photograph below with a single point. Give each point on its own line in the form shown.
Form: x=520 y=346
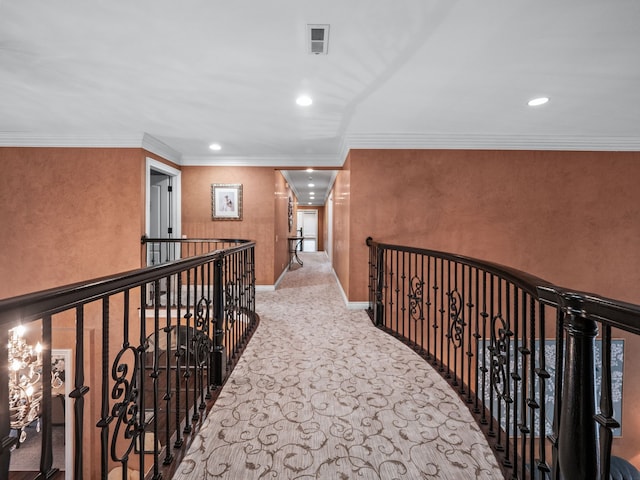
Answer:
x=499 y=349
x=456 y=328
x=128 y=418
x=415 y=299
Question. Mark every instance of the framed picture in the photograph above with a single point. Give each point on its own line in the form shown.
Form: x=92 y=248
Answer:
x=226 y=201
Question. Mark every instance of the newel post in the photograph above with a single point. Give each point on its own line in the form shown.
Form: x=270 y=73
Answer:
x=378 y=313
x=219 y=363
x=577 y=436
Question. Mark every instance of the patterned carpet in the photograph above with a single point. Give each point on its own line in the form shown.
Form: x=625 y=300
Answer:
x=321 y=394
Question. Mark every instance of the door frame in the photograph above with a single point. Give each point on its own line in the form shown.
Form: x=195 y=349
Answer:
x=176 y=197
x=300 y=222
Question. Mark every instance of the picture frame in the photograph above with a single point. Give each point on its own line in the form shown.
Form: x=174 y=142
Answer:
x=226 y=201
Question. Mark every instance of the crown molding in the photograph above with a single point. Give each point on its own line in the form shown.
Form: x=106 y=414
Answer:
x=153 y=145
x=23 y=139
x=488 y=142
x=144 y=141
x=262 y=161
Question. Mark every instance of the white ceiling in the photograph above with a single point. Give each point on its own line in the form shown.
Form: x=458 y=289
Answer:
x=176 y=76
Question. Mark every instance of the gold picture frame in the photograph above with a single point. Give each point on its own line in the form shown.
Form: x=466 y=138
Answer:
x=226 y=201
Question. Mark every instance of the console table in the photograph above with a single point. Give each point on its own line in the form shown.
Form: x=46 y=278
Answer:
x=294 y=243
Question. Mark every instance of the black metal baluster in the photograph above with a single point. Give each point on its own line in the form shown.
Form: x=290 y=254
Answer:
x=532 y=403
x=524 y=352
x=508 y=400
x=187 y=354
x=605 y=417
x=193 y=346
x=78 y=393
x=543 y=375
x=515 y=375
x=219 y=353
x=449 y=337
x=178 y=358
x=442 y=313
x=155 y=375
x=435 y=312
x=470 y=336
x=397 y=293
x=46 y=460
x=477 y=365
x=427 y=290
x=105 y=418
x=168 y=395
x=484 y=315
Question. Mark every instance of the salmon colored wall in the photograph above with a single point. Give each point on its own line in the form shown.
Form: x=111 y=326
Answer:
x=61 y=211
x=258 y=209
x=572 y=218
x=341 y=222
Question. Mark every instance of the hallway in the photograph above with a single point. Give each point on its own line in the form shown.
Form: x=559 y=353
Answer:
x=320 y=393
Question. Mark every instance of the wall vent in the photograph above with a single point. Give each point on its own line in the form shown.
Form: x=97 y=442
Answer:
x=318 y=39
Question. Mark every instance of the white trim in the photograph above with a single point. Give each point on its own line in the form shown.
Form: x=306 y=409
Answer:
x=152 y=164
x=478 y=141
x=265 y=288
x=25 y=139
x=144 y=141
x=153 y=145
x=348 y=304
x=261 y=161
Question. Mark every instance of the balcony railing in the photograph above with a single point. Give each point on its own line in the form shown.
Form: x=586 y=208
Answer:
x=528 y=358
x=144 y=369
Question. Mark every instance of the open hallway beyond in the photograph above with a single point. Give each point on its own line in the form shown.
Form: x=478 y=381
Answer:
x=320 y=393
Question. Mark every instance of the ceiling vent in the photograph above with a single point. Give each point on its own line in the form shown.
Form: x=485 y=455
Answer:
x=318 y=39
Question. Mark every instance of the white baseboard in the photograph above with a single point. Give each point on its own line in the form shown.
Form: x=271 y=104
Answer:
x=265 y=288
x=350 y=305
x=271 y=288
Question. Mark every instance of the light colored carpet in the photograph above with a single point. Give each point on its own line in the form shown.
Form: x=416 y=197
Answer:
x=320 y=393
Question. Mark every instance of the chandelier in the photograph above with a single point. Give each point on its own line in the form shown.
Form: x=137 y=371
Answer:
x=25 y=382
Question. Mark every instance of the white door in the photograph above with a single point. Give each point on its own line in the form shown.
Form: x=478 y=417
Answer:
x=160 y=224
x=308 y=220
x=163 y=209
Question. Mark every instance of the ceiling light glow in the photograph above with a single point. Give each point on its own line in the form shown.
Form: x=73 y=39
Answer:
x=309 y=170
x=304 y=100
x=215 y=147
x=535 y=102
x=311 y=185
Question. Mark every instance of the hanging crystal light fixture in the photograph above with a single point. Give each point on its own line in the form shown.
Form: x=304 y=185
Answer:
x=25 y=382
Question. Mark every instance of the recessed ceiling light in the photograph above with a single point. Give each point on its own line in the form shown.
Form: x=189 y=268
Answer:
x=537 y=101
x=311 y=185
x=215 y=147
x=312 y=193
x=304 y=100
x=310 y=203
x=312 y=197
x=309 y=170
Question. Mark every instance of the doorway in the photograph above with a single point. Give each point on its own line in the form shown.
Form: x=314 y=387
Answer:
x=162 y=210
x=308 y=222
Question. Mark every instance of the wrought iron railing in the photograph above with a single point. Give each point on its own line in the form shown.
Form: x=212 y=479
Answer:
x=521 y=352
x=144 y=371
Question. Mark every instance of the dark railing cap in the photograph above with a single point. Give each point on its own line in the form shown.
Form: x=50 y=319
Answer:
x=47 y=302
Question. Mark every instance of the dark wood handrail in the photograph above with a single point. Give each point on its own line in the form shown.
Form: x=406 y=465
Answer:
x=34 y=305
